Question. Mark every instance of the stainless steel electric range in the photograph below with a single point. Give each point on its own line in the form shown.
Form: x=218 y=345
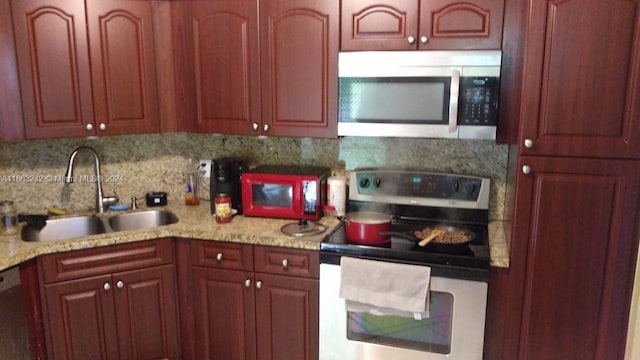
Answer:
x=459 y=274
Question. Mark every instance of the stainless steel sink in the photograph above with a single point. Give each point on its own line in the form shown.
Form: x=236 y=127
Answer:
x=64 y=228
x=79 y=226
x=142 y=220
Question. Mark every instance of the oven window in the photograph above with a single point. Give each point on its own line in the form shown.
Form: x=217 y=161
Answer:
x=276 y=195
x=432 y=334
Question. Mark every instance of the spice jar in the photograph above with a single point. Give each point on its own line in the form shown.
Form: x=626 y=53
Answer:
x=223 y=208
x=9 y=217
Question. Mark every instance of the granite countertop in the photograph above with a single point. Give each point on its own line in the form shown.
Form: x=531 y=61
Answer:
x=198 y=223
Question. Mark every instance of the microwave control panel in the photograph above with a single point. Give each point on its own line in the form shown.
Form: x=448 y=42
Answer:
x=478 y=102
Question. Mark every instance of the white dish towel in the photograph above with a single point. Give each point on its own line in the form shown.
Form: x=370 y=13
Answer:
x=385 y=288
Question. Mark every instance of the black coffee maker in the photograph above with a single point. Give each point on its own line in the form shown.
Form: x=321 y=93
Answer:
x=226 y=176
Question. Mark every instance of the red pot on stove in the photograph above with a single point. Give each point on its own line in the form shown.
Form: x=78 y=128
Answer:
x=365 y=227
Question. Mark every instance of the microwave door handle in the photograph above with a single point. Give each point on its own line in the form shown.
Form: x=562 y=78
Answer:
x=453 y=100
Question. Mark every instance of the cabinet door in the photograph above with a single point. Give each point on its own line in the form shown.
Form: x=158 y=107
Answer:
x=379 y=25
x=53 y=64
x=123 y=66
x=581 y=86
x=146 y=312
x=287 y=311
x=447 y=24
x=217 y=43
x=299 y=67
x=224 y=314
x=574 y=248
x=82 y=322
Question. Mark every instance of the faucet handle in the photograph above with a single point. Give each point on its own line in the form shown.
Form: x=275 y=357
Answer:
x=109 y=200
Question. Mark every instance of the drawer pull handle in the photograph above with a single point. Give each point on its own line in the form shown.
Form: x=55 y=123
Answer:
x=247 y=283
x=119 y=284
x=106 y=286
x=259 y=284
x=219 y=257
x=285 y=263
x=526 y=169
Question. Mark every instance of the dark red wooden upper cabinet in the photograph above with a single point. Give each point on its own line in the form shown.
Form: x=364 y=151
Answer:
x=581 y=82
x=425 y=25
x=299 y=67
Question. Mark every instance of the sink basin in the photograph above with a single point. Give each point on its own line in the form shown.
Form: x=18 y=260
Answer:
x=65 y=228
x=71 y=227
x=142 y=220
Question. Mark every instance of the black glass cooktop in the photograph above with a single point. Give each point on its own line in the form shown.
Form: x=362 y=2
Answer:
x=471 y=259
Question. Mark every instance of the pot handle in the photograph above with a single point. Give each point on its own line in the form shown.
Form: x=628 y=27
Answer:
x=400 y=235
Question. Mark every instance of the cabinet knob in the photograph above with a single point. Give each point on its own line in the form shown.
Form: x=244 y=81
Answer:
x=247 y=283
x=88 y=127
x=259 y=284
x=106 y=286
x=219 y=257
x=119 y=284
x=265 y=127
x=424 y=39
x=102 y=126
x=528 y=143
x=285 y=263
x=411 y=40
x=526 y=169
x=255 y=126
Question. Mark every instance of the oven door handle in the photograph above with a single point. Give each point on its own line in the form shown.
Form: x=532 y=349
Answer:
x=453 y=100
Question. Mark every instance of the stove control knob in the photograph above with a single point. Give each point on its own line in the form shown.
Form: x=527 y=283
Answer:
x=377 y=182
x=365 y=182
x=456 y=186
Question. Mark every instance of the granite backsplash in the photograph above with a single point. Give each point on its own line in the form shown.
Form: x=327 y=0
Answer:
x=132 y=165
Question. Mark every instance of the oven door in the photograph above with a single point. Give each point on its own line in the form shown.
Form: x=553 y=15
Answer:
x=454 y=330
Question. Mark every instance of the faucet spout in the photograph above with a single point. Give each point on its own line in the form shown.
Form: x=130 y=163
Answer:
x=101 y=200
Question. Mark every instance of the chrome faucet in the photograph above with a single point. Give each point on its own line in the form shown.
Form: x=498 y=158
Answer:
x=101 y=201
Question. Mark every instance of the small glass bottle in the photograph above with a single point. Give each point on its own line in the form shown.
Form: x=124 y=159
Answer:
x=9 y=217
x=223 y=208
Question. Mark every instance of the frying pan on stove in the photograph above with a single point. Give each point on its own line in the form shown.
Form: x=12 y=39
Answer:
x=453 y=239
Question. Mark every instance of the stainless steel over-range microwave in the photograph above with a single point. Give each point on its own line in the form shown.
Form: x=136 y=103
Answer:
x=437 y=94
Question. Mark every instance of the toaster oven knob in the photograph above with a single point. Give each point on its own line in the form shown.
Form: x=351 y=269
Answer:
x=411 y=40
x=424 y=39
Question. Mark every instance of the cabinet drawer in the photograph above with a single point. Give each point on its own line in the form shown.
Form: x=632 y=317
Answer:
x=222 y=255
x=105 y=260
x=284 y=261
